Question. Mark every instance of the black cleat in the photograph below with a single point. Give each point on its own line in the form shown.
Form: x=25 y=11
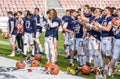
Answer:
x=68 y=57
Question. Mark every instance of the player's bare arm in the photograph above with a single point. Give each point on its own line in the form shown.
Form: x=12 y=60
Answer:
x=12 y=27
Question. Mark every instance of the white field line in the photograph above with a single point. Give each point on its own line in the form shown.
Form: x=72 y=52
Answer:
x=4 y=42
x=36 y=73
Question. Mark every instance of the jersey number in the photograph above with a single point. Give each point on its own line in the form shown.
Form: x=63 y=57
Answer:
x=27 y=24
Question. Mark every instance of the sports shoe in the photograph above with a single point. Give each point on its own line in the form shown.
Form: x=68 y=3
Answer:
x=41 y=53
x=68 y=57
x=12 y=55
x=19 y=50
x=110 y=72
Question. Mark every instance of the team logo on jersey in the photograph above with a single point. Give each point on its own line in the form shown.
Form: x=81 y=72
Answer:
x=27 y=24
x=104 y=23
x=74 y=21
x=77 y=28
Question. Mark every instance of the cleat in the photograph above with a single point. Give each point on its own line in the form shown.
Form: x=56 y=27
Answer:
x=19 y=50
x=109 y=74
x=68 y=57
x=12 y=55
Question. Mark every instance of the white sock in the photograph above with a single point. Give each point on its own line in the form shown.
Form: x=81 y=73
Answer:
x=116 y=64
x=67 y=50
x=33 y=50
x=48 y=57
x=106 y=67
x=84 y=60
x=80 y=60
x=53 y=58
x=13 y=51
x=96 y=61
x=90 y=59
x=110 y=70
x=101 y=60
x=25 y=49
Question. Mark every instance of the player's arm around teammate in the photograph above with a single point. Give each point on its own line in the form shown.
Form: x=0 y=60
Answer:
x=65 y=34
x=68 y=26
x=116 y=49
x=107 y=36
x=95 y=38
x=80 y=34
x=39 y=24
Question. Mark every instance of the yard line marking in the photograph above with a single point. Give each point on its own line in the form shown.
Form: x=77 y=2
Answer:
x=4 y=42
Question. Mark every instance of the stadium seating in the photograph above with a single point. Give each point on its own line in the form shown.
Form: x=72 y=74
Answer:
x=22 y=5
x=93 y=3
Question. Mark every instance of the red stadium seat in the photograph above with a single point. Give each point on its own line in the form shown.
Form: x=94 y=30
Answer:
x=14 y=5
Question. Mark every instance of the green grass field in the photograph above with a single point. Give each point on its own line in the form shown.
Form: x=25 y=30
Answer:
x=5 y=50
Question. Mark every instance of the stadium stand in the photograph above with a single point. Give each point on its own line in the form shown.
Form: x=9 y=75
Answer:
x=22 y=5
x=61 y=5
x=92 y=3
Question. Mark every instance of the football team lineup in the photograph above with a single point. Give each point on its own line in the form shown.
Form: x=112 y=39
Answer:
x=87 y=47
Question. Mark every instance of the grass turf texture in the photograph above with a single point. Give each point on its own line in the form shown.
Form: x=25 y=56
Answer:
x=6 y=50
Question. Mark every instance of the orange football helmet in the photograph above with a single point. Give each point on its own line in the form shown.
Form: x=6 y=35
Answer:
x=5 y=35
x=47 y=65
x=85 y=70
x=20 y=65
x=38 y=57
x=34 y=63
x=54 y=69
x=116 y=21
